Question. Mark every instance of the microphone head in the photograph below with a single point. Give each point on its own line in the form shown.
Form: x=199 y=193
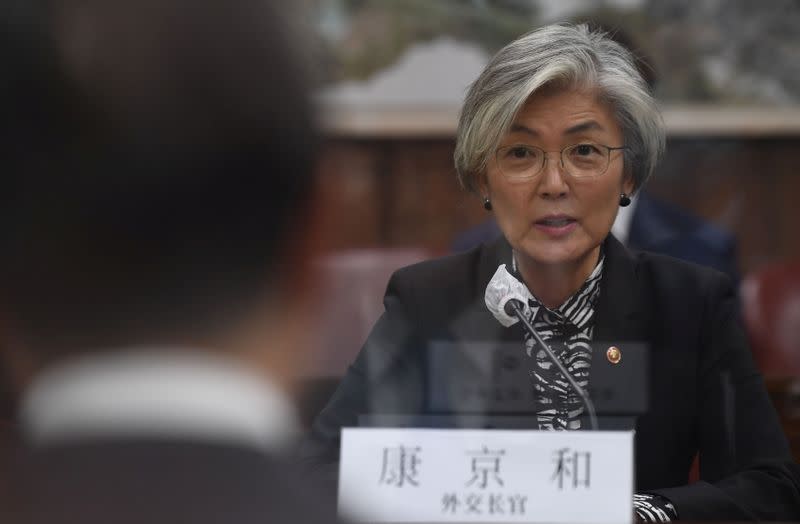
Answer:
x=510 y=309
x=502 y=288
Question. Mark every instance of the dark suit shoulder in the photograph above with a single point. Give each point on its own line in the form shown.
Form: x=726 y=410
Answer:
x=159 y=480
x=435 y=291
x=665 y=228
x=451 y=273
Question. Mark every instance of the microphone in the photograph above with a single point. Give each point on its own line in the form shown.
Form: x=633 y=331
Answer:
x=514 y=307
x=506 y=297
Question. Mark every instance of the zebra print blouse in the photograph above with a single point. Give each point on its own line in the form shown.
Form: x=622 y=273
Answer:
x=568 y=329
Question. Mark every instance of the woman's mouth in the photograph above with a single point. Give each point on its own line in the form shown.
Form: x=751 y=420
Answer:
x=556 y=225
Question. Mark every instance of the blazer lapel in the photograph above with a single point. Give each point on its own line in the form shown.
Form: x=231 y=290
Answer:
x=621 y=310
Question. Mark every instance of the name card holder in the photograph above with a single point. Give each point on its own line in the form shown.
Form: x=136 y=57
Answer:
x=464 y=475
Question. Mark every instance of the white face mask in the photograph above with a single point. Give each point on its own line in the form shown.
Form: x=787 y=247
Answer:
x=504 y=287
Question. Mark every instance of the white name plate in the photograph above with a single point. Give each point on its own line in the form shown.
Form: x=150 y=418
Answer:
x=464 y=475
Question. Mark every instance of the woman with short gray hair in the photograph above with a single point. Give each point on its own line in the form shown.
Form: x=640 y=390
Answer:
x=554 y=136
x=558 y=55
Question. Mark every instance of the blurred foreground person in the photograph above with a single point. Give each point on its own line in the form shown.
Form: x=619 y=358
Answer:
x=157 y=233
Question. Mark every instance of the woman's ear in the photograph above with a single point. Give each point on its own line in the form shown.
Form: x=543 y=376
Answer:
x=482 y=185
x=628 y=185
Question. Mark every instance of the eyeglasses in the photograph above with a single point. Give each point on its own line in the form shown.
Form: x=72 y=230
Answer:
x=521 y=162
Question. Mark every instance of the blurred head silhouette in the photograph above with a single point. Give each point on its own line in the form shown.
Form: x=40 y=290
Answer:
x=158 y=159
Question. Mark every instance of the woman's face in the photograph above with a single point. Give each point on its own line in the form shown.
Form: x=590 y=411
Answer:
x=554 y=218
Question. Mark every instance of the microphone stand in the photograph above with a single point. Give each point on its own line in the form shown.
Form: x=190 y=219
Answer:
x=587 y=402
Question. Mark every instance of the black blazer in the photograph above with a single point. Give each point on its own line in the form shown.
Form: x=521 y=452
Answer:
x=706 y=396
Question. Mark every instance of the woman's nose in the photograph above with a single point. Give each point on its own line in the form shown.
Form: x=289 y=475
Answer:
x=552 y=183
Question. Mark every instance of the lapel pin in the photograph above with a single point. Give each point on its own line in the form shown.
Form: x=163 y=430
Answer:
x=614 y=355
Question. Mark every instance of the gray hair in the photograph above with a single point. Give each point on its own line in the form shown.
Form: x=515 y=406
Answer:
x=571 y=55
